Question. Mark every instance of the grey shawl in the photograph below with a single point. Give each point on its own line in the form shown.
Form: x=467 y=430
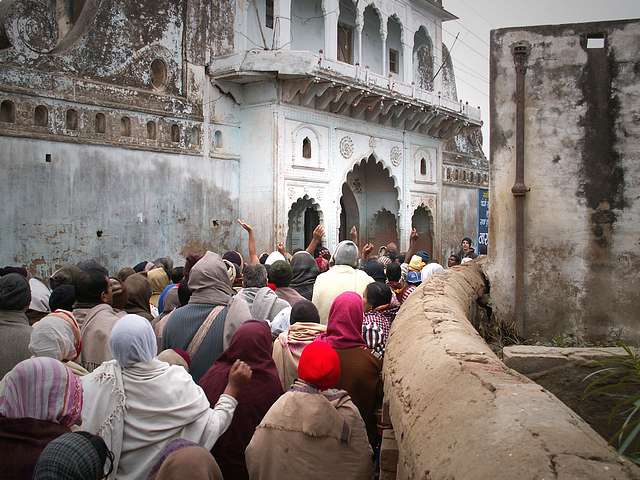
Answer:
x=15 y=333
x=263 y=303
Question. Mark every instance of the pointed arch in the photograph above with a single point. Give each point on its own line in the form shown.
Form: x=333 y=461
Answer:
x=449 y=89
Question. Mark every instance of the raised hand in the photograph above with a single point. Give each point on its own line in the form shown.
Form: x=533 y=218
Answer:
x=354 y=234
x=413 y=238
x=246 y=226
x=367 y=249
x=281 y=249
x=318 y=233
x=239 y=376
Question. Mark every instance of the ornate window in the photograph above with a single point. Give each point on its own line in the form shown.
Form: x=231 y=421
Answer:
x=306 y=148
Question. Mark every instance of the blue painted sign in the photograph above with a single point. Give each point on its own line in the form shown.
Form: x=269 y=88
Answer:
x=483 y=220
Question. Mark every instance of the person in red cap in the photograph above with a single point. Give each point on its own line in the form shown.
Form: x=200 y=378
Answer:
x=316 y=424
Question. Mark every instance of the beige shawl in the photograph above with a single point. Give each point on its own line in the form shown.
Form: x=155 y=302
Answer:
x=95 y=328
x=322 y=433
x=288 y=347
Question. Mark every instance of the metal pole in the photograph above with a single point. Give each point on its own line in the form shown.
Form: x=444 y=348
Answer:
x=519 y=190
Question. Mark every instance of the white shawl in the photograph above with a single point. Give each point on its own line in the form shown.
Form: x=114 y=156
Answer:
x=138 y=410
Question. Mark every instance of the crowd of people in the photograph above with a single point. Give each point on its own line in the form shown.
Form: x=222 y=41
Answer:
x=261 y=368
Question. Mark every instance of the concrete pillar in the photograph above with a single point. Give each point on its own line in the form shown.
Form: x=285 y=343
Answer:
x=282 y=22
x=407 y=60
x=331 y=10
x=385 y=49
x=359 y=27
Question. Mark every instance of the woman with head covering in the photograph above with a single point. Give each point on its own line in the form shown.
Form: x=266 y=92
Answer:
x=15 y=332
x=139 y=292
x=205 y=326
x=252 y=344
x=119 y=295
x=429 y=270
x=138 y=404
x=124 y=273
x=40 y=401
x=39 y=305
x=73 y=456
x=360 y=368
x=344 y=276
x=304 y=328
x=182 y=459
x=317 y=426
x=58 y=336
x=65 y=275
x=158 y=279
x=305 y=271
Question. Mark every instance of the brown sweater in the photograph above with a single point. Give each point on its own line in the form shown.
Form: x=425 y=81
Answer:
x=25 y=438
x=361 y=378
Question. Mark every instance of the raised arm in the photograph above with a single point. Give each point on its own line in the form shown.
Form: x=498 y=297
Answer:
x=253 y=255
x=353 y=234
x=318 y=233
x=413 y=239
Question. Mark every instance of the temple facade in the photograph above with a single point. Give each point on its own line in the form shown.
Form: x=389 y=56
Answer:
x=130 y=127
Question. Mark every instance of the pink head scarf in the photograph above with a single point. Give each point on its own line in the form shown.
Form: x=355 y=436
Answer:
x=44 y=389
x=344 y=329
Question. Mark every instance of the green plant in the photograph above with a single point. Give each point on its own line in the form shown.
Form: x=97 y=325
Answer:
x=619 y=379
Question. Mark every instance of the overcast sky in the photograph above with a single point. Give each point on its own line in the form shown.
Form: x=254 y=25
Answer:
x=478 y=17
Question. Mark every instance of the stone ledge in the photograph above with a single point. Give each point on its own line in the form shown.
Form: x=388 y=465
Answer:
x=459 y=412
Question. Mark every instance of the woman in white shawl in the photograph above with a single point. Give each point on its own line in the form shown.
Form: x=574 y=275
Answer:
x=138 y=404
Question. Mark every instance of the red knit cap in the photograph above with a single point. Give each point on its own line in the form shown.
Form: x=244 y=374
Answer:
x=319 y=365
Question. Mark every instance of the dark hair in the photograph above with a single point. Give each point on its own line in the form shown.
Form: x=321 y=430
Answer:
x=468 y=240
x=455 y=255
x=90 y=285
x=394 y=272
x=62 y=297
x=280 y=273
x=184 y=293
x=176 y=274
x=189 y=262
x=92 y=265
x=304 y=311
x=254 y=276
x=375 y=270
x=401 y=258
x=378 y=294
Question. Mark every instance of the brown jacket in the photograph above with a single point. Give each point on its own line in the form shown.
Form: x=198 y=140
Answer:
x=361 y=378
x=310 y=436
x=15 y=333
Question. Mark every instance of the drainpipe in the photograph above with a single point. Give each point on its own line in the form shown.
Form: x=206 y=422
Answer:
x=519 y=190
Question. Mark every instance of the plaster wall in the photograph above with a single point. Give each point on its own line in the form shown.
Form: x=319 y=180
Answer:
x=372 y=46
x=87 y=202
x=307 y=25
x=582 y=162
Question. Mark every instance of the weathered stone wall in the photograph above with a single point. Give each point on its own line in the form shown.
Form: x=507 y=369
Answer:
x=107 y=134
x=582 y=162
x=458 y=412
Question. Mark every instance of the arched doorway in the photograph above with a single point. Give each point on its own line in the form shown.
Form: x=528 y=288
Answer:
x=370 y=202
x=349 y=213
x=304 y=217
x=422 y=221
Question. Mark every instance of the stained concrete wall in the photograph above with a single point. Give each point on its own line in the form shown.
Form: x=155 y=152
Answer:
x=582 y=162
x=459 y=218
x=458 y=412
x=117 y=205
